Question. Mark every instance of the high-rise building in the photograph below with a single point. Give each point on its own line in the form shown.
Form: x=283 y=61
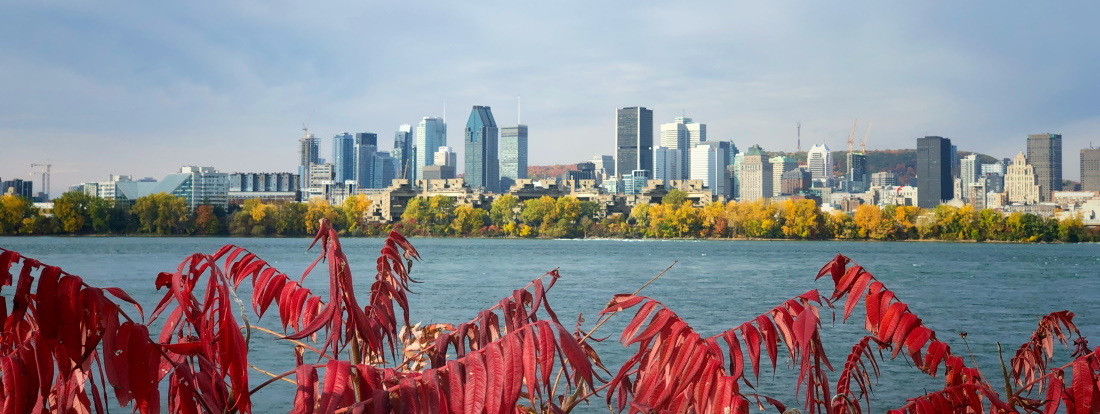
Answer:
x=970 y=172
x=402 y=152
x=709 y=163
x=385 y=170
x=446 y=156
x=605 y=165
x=666 y=164
x=856 y=180
x=343 y=156
x=482 y=160
x=513 y=155
x=1090 y=169
x=1044 y=151
x=431 y=133
x=683 y=134
x=819 y=160
x=633 y=140
x=934 y=182
x=884 y=179
x=1020 y=182
x=308 y=154
x=366 y=145
x=755 y=175
x=781 y=165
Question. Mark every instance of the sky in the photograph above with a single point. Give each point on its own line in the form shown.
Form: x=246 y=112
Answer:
x=142 y=88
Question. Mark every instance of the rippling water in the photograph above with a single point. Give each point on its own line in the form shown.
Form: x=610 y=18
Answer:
x=995 y=292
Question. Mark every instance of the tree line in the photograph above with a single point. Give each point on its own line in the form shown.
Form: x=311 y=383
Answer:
x=547 y=217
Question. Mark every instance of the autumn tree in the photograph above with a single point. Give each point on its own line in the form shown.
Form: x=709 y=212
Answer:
x=355 y=210
x=503 y=213
x=801 y=219
x=317 y=209
x=14 y=211
x=206 y=222
x=290 y=219
x=468 y=219
x=71 y=210
x=161 y=213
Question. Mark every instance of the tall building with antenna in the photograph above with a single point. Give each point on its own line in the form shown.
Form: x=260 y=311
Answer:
x=513 y=151
x=308 y=154
x=482 y=152
x=633 y=140
x=682 y=134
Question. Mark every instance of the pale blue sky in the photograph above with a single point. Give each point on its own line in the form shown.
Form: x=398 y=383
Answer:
x=141 y=88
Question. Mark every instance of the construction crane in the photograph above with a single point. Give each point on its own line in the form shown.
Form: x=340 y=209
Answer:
x=44 y=169
x=863 y=144
x=852 y=135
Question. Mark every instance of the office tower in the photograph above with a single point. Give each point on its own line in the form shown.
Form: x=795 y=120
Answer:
x=343 y=156
x=1090 y=169
x=934 y=182
x=666 y=164
x=482 y=161
x=1044 y=151
x=366 y=145
x=635 y=182
x=794 y=181
x=819 y=160
x=605 y=165
x=709 y=163
x=780 y=166
x=384 y=170
x=1020 y=183
x=884 y=179
x=970 y=170
x=402 y=152
x=308 y=154
x=682 y=135
x=446 y=156
x=633 y=140
x=856 y=177
x=755 y=175
x=513 y=155
x=431 y=133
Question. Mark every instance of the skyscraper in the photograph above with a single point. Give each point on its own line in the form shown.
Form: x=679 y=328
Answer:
x=513 y=155
x=482 y=161
x=1044 y=151
x=1090 y=169
x=431 y=134
x=366 y=145
x=1020 y=183
x=633 y=140
x=970 y=170
x=857 y=172
x=820 y=162
x=755 y=175
x=682 y=135
x=308 y=154
x=666 y=164
x=781 y=165
x=402 y=152
x=934 y=182
x=709 y=162
x=343 y=156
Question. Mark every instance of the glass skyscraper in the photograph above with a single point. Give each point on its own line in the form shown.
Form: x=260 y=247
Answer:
x=482 y=161
x=343 y=156
x=366 y=145
x=513 y=155
x=934 y=182
x=431 y=134
x=633 y=140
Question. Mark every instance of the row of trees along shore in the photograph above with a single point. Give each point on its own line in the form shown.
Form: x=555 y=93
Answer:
x=564 y=217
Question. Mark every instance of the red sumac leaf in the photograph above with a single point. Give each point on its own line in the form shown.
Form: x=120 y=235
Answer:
x=475 y=383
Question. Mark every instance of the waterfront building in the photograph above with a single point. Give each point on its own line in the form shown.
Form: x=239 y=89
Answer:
x=819 y=160
x=403 y=152
x=682 y=135
x=482 y=159
x=781 y=165
x=1090 y=169
x=755 y=175
x=934 y=171
x=795 y=181
x=366 y=145
x=268 y=187
x=633 y=140
x=1020 y=182
x=1044 y=152
x=666 y=164
x=513 y=155
x=635 y=181
x=709 y=164
x=431 y=133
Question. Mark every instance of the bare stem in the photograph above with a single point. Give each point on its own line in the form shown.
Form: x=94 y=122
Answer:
x=1004 y=372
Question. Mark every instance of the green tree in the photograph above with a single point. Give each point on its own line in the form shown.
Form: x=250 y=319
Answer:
x=502 y=211
x=13 y=211
x=290 y=219
x=675 y=197
x=468 y=219
x=71 y=211
x=536 y=211
x=161 y=213
x=102 y=214
x=355 y=210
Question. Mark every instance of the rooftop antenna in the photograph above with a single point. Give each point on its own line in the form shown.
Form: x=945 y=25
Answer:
x=444 y=111
x=799 y=128
x=519 y=111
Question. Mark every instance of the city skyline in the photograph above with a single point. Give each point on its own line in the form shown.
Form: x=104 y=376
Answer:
x=129 y=89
